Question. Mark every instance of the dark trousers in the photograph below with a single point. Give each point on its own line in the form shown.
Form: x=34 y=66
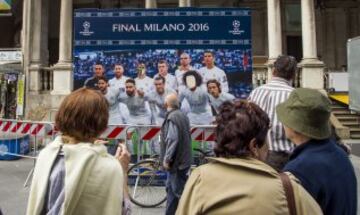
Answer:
x=174 y=187
x=277 y=160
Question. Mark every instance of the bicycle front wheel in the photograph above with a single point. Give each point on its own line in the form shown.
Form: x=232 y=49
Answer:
x=146 y=182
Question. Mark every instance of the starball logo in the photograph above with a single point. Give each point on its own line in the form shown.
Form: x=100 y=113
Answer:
x=86 y=31
x=236 y=28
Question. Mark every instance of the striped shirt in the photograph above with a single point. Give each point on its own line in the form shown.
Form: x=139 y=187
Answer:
x=268 y=96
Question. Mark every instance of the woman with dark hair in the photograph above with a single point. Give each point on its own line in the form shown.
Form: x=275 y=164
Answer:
x=237 y=181
x=198 y=99
x=74 y=174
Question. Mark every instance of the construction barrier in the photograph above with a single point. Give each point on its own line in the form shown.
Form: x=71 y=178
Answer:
x=145 y=132
x=37 y=131
x=42 y=133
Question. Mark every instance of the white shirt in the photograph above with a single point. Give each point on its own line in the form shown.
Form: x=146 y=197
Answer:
x=117 y=84
x=214 y=73
x=170 y=81
x=157 y=104
x=268 y=96
x=146 y=84
x=115 y=115
x=200 y=110
x=138 y=107
x=217 y=102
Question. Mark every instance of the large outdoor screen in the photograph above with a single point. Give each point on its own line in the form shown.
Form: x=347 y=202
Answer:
x=133 y=36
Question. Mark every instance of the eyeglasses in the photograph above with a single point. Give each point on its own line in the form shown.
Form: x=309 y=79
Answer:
x=182 y=58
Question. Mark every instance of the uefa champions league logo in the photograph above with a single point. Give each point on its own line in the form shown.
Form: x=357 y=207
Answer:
x=86 y=31
x=236 y=28
x=86 y=26
x=236 y=24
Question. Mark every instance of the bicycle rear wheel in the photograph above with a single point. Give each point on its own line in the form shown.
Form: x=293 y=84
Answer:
x=146 y=184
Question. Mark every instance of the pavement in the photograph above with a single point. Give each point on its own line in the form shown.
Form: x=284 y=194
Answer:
x=13 y=194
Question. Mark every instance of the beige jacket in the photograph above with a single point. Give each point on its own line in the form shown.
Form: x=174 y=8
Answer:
x=93 y=180
x=240 y=186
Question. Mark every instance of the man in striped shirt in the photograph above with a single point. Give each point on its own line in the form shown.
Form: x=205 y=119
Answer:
x=268 y=96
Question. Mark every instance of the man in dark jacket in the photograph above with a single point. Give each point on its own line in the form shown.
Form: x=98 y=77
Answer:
x=92 y=82
x=175 y=153
x=323 y=168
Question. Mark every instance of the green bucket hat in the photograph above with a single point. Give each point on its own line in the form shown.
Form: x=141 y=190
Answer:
x=307 y=111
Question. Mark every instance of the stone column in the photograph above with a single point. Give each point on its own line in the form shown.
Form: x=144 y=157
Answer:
x=25 y=36
x=312 y=68
x=35 y=41
x=63 y=70
x=274 y=33
x=150 y=4
x=184 y=3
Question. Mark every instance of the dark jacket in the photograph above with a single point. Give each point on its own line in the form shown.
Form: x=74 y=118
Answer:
x=91 y=83
x=326 y=172
x=182 y=155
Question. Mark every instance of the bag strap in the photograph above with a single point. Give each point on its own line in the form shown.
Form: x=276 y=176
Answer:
x=289 y=192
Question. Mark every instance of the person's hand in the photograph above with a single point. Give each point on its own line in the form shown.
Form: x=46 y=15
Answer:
x=166 y=165
x=123 y=155
x=100 y=141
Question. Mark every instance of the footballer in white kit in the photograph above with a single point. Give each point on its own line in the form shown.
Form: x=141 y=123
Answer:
x=200 y=110
x=170 y=80
x=143 y=82
x=116 y=116
x=183 y=68
x=157 y=100
x=216 y=96
x=136 y=102
x=118 y=82
x=210 y=71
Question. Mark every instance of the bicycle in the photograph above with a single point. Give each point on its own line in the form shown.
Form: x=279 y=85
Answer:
x=202 y=156
x=147 y=183
x=147 y=180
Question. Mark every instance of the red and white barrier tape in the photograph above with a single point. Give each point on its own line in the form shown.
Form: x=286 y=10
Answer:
x=112 y=132
x=202 y=134
x=35 y=129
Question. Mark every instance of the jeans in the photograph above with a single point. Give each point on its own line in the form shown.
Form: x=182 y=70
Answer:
x=174 y=187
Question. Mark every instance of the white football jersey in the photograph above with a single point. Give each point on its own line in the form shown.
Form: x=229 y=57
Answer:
x=170 y=81
x=214 y=73
x=146 y=84
x=118 y=84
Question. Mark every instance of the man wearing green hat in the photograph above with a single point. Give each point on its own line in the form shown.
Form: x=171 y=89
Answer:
x=323 y=168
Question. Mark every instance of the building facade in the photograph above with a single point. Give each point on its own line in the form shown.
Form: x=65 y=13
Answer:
x=314 y=31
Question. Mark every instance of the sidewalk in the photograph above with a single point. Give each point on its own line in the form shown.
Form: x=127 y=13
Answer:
x=13 y=195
